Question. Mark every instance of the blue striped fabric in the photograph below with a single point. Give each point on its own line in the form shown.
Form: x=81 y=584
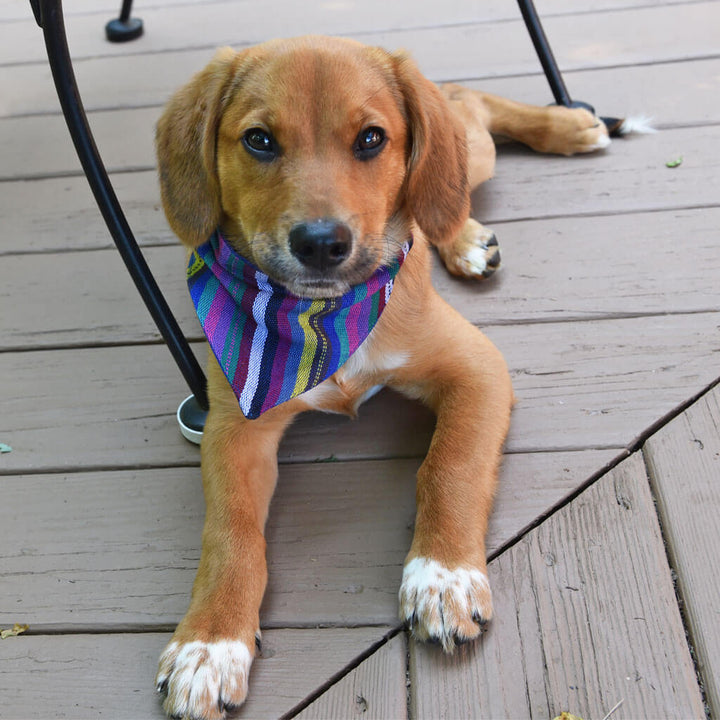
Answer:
x=272 y=345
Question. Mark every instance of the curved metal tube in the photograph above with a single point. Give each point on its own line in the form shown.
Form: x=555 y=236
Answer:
x=49 y=15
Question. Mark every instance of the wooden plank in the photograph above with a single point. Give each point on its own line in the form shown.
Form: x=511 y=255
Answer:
x=674 y=92
x=452 y=44
x=585 y=617
x=124 y=138
x=11 y=10
x=603 y=382
x=61 y=214
x=123 y=550
x=684 y=463
x=375 y=689
x=97 y=302
x=90 y=676
x=92 y=407
x=595 y=384
x=630 y=176
x=571 y=268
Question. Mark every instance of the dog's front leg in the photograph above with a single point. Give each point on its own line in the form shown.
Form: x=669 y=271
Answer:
x=445 y=595
x=205 y=667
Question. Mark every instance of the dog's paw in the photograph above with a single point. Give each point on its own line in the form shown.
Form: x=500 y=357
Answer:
x=574 y=131
x=203 y=680
x=474 y=253
x=442 y=605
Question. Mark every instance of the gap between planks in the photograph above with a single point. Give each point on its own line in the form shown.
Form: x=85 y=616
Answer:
x=635 y=446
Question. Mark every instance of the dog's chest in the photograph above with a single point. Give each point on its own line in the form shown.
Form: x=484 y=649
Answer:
x=362 y=376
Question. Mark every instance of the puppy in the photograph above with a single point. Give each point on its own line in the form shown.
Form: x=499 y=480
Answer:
x=320 y=166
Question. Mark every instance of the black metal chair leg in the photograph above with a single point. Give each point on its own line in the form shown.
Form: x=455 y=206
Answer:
x=549 y=65
x=125 y=27
x=50 y=17
x=544 y=52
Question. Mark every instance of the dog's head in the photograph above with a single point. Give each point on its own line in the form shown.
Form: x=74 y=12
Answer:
x=313 y=155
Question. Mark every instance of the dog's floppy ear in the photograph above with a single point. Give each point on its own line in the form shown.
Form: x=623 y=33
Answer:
x=437 y=189
x=185 y=144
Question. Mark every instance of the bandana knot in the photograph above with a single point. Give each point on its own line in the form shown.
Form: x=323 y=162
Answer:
x=273 y=345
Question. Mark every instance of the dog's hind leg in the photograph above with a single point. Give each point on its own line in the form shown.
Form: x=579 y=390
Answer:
x=553 y=129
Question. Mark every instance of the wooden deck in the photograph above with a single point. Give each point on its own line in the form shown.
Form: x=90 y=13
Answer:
x=605 y=568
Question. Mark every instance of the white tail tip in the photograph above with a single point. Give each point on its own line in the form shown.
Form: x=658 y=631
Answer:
x=638 y=125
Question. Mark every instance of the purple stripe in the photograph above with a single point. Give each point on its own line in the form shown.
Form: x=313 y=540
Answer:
x=282 y=353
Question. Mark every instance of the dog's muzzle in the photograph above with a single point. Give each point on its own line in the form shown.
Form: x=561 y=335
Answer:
x=322 y=244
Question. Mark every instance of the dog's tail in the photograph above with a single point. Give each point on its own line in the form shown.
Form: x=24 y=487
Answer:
x=634 y=125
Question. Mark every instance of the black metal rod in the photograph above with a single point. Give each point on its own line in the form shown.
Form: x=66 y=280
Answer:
x=126 y=10
x=53 y=26
x=544 y=52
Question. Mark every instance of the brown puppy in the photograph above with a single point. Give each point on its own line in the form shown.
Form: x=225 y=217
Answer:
x=286 y=138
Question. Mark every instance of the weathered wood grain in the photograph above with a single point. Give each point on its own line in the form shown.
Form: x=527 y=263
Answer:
x=12 y=10
x=591 y=381
x=585 y=617
x=91 y=676
x=671 y=93
x=99 y=301
x=375 y=689
x=119 y=550
x=684 y=463
x=451 y=42
x=589 y=384
x=60 y=214
x=124 y=137
x=630 y=176
x=599 y=267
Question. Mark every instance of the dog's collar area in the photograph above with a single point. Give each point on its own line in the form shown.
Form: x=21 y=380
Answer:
x=272 y=345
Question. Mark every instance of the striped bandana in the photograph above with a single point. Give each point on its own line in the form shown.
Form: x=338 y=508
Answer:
x=271 y=345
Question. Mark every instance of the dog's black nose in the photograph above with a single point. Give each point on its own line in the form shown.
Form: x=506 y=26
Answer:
x=322 y=244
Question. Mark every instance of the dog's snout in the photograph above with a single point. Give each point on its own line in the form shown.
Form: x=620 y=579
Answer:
x=322 y=244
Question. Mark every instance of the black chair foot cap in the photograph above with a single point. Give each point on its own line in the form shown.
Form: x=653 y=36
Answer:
x=123 y=30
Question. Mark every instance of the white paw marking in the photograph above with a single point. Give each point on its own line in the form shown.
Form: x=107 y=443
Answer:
x=442 y=604
x=602 y=142
x=475 y=255
x=202 y=679
x=475 y=260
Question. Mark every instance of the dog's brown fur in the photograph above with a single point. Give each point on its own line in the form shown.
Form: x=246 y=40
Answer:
x=315 y=95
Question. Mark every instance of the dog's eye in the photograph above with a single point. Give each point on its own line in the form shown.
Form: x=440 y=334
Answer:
x=369 y=143
x=260 y=144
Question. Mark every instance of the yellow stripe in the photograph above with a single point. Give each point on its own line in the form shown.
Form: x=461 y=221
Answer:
x=309 y=346
x=197 y=264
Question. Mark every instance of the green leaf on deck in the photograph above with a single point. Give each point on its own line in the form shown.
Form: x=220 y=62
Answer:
x=15 y=630
x=5 y=448
x=674 y=163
